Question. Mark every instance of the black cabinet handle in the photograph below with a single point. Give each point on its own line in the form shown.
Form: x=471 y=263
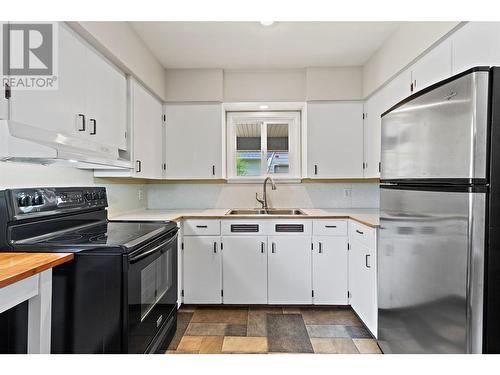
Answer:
x=358 y=231
x=320 y=247
x=366 y=261
x=262 y=244
x=330 y=226
x=315 y=169
x=215 y=247
x=81 y=128
x=93 y=129
x=213 y=170
x=201 y=226
x=138 y=166
x=273 y=248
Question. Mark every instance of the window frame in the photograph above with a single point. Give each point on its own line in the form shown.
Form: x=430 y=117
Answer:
x=292 y=118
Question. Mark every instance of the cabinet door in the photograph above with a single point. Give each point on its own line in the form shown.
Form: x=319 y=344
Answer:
x=202 y=270
x=57 y=110
x=244 y=266
x=289 y=270
x=476 y=44
x=396 y=90
x=106 y=101
x=4 y=109
x=374 y=108
x=432 y=67
x=363 y=283
x=194 y=141
x=147 y=112
x=335 y=140
x=329 y=270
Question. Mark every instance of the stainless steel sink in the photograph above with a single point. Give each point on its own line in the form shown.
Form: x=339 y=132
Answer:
x=269 y=211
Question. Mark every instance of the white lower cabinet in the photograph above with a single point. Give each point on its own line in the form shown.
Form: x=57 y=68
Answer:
x=329 y=270
x=289 y=270
x=363 y=280
x=202 y=269
x=244 y=269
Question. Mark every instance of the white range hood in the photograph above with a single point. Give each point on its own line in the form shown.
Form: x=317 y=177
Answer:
x=24 y=143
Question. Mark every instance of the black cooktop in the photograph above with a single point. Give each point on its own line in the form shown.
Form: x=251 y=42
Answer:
x=104 y=235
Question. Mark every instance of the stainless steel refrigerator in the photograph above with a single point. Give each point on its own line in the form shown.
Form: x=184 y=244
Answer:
x=438 y=254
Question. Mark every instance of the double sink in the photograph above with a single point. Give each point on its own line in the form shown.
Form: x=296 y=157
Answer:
x=268 y=211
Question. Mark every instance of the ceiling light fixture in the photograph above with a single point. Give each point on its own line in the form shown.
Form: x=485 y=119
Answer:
x=266 y=23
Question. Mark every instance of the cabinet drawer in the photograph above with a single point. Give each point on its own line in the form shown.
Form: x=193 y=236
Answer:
x=202 y=228
x=242 y=227
x=290 y=227
x=362 y=233
x=330 y=227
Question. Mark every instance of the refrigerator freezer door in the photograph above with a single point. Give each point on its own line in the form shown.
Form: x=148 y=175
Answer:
x=430 y=277
x=440 y=134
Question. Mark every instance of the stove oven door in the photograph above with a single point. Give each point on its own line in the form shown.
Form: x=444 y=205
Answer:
x=152 y=294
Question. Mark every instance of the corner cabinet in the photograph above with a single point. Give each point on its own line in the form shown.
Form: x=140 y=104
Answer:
x=90 y=101
x=147 y=133
x=193 y=141
x=335 y=140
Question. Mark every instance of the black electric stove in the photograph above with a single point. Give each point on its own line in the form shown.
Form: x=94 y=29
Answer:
x=119 y=294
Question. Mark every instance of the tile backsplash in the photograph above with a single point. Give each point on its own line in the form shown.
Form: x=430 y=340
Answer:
x=302 y=195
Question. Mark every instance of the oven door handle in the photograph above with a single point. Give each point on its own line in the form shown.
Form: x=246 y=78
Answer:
x=140 y=256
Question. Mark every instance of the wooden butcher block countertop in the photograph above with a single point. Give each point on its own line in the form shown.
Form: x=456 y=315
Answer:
x=18 y=266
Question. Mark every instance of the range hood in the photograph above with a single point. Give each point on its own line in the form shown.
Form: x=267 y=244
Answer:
x=25 y=143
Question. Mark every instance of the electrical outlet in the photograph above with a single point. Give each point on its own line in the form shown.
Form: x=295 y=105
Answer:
x=347 y=193
x=140 y=194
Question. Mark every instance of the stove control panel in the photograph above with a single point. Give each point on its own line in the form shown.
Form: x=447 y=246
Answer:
x=39 y=201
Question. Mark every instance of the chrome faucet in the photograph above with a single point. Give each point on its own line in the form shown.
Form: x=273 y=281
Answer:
x=264 y=196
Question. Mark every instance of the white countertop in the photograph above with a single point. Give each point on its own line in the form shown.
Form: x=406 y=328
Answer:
x=367 y=216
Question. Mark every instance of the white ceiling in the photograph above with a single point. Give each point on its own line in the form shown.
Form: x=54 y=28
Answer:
x=249 y=45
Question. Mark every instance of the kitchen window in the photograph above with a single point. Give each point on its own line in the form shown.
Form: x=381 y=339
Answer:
x=262 y=144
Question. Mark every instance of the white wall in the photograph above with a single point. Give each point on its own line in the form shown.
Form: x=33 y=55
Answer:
x=264 y=85
x=341 y=83
x=305 y=195
x=121 y=197
x=194 y=85
x=409 y=41
x=121 y=44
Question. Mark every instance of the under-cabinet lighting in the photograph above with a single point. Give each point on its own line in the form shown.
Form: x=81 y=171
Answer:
x=266 y=23
x=263 y=106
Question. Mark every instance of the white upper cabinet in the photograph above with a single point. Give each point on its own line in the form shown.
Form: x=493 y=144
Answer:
x=335 y=140
x=374 y=107
x=105 y=101
x=432 y=67
x=147 y=122
x=60 y=110
x=396 y=90
x=476 y=44
x=193 y=141
x=90 y=100
x=4 y=108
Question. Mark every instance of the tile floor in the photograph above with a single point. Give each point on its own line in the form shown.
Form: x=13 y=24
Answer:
x=270 y=329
